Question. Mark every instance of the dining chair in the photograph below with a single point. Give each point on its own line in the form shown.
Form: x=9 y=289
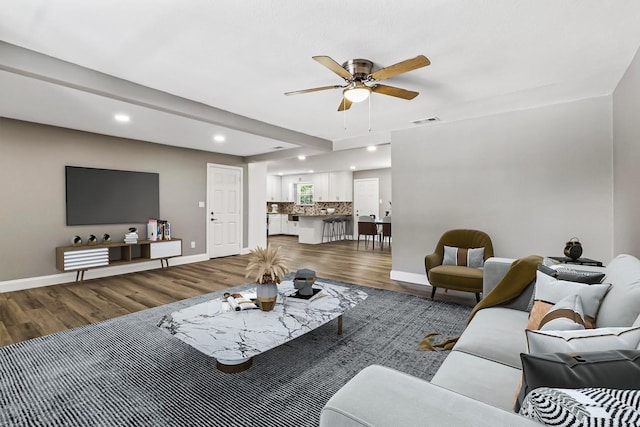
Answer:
x=367 y=227
x=385 y=232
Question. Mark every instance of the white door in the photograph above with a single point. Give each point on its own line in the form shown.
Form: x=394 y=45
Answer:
x=224 y=210
x=365 y=198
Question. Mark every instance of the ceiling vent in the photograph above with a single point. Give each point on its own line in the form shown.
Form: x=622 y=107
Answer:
x=278 y=147
x=427 y=120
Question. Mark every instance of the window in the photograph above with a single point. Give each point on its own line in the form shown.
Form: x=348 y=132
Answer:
x=305 y=194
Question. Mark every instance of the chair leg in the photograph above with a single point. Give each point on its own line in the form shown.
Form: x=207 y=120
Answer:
x=433 y=292
x=358 y=244
x=477 y=297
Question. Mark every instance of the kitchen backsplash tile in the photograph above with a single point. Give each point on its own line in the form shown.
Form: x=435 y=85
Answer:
x=342 y=208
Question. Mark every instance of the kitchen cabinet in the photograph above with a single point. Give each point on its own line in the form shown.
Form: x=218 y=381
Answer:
x=320 y=187
x=288 y=188
x=293 y=228
x=274 y=188
x=275 y=224
x=327 y=187
x=341 y=186
x=289 y=227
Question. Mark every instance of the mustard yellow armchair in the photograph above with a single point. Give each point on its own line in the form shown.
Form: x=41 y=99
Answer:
x=459 y=267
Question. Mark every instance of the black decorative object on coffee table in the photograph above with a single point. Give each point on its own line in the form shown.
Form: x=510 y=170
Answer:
x=303 y=282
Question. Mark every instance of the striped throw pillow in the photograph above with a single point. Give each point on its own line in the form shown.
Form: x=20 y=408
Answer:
x=467 y=257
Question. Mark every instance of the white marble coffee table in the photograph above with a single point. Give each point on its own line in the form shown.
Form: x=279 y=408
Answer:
x=234 y=337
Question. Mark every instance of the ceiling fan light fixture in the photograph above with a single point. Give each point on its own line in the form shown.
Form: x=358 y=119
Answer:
x=358 y=93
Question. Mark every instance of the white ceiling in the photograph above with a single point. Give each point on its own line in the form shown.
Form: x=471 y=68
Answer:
x=241 y=56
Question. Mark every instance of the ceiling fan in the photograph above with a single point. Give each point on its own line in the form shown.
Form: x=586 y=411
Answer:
x=360 y=79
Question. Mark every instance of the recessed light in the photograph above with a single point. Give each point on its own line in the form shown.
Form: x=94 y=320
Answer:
x=280 y=173
x=372 y=148
x=219 y=138
x=310 y=170
x=352 y=168
x=302 y=157
x=122 y=118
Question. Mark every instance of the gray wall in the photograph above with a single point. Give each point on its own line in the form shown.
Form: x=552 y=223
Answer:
x=32 y=207
x=531 y=179
x=626 y=161
x=384 y=185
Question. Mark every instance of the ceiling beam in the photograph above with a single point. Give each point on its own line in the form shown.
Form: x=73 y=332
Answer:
x=15 y=59
x=281 y=155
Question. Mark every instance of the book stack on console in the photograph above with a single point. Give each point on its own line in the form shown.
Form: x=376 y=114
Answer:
x=132 y=236
x=164 y=230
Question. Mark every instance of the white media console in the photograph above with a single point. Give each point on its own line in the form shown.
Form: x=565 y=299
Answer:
x=83 y=258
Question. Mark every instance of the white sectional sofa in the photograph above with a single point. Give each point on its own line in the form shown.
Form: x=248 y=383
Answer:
x=478 y=381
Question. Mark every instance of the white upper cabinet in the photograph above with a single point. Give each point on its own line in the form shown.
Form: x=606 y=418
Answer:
x=327 y=187
x=320 y=187
x=274 y=188
x=341 y=186
x=288 y=191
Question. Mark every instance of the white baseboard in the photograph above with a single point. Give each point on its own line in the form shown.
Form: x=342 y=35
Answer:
x=403 y=276
x=94 y=273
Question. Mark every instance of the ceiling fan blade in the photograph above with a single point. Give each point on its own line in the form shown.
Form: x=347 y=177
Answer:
x=333 y=66
x=345 y=104
x=401 y=67
x=394 y=91
x=315 y=89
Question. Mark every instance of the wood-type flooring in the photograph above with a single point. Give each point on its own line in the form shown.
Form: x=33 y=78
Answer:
x=41 y=311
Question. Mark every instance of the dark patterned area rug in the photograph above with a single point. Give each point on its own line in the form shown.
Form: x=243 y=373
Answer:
x=128 y=372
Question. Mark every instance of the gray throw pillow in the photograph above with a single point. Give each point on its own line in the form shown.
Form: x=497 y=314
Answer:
x=618 y=369
x=571 y=275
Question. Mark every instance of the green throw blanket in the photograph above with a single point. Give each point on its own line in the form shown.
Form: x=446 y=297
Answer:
x=520 y=275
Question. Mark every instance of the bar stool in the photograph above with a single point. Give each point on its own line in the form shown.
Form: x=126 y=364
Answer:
x=348 y=227
x=328 y=228
x=339 y=228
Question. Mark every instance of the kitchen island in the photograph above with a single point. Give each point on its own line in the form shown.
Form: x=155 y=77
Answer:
x=310 y=227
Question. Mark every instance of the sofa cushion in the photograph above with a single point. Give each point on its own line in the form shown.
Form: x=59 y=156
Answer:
x=618 y=369
x=496 y=334
x=592 y=406
x=561 y=272
x=480 y=379
x=456 y=276
x=600 y=339
x=551 y=291
x=622 y=304
x=383 y=397
x=566 y=315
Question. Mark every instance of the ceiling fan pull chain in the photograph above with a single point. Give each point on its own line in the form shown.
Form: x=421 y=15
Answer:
x=344 y=114
x=369 y=114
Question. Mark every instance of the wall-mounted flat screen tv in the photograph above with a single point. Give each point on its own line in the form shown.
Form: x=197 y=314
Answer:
x=105 y=196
